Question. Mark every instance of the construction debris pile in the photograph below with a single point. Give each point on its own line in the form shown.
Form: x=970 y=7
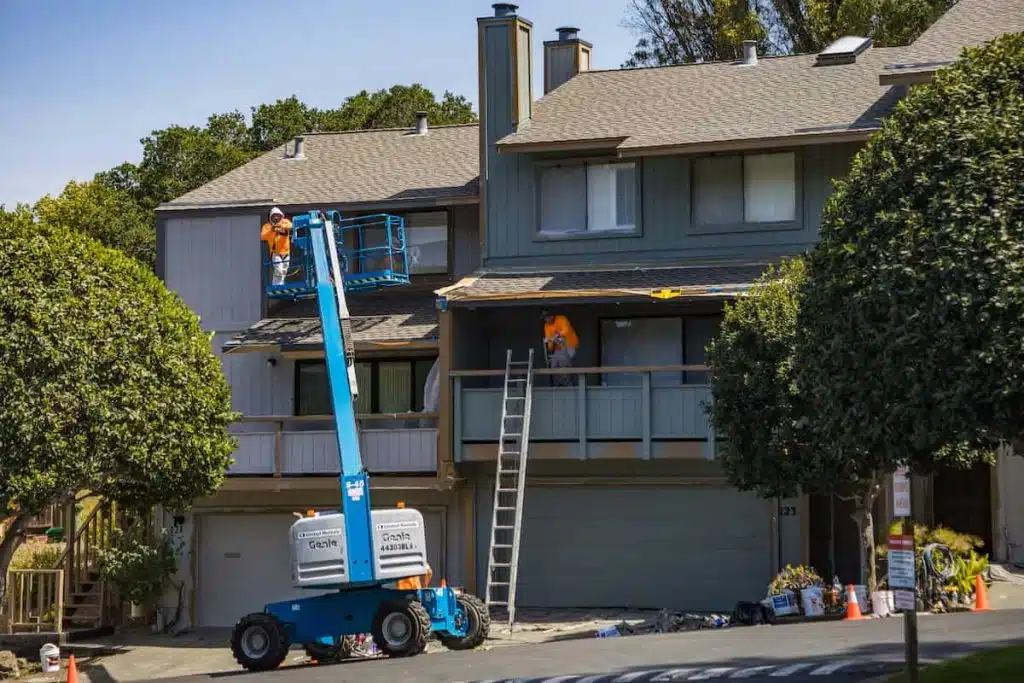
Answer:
x=668 y=622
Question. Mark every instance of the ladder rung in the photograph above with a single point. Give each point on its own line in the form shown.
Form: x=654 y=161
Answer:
x=512 y=436
x=502 y=526
x=505 y=490
x=497 y=602
x=501 y=564
x=504 y=508
x=501 y=545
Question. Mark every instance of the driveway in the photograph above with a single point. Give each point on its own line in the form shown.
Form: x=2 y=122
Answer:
x=852 y=648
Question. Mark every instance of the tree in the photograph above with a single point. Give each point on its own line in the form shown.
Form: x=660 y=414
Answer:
x=109 y=215
x=680 y=31
x=908 y=349
x=756 y=410
x=110 y=385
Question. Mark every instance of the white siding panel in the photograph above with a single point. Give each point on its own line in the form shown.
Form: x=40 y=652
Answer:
x=254 y=455
x=214 y=264
x=257 y=388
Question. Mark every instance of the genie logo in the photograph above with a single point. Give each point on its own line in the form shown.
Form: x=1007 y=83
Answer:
x=354 y=489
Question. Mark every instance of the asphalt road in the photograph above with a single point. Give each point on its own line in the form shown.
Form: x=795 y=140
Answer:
x=838 y=651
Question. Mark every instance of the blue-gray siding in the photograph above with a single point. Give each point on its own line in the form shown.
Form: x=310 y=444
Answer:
x=668 y=230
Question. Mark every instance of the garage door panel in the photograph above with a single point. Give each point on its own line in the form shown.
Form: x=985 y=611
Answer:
x=699 y=549
x=244 y=563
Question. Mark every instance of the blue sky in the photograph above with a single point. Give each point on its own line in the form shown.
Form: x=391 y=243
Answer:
x=81 y=82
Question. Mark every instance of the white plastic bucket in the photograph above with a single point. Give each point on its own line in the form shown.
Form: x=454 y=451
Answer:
x=883 y=603
x=49 y=658
x=813 y=600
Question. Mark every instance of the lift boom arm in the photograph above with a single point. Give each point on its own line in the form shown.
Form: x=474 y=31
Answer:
x=355 y=483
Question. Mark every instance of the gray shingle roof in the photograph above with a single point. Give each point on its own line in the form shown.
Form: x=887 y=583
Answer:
x=722 y=102
x=358 y=167
x=594 y=283
x=378 y=319
x=968 y=23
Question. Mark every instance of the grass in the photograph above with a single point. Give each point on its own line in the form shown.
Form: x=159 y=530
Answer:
x=1004 y=664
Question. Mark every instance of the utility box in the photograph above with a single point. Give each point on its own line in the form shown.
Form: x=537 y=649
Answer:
x=319 y=550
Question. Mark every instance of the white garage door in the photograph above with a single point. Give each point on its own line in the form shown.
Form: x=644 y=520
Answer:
x=244 y=563
x=685 y=548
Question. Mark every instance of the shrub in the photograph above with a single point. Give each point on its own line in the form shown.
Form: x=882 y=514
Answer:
x=139 y=569
x=37 y=554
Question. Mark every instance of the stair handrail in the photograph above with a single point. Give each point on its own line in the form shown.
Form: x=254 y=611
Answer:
x=79 y=532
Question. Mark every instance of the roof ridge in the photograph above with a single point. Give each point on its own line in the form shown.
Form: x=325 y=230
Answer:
x=389 y=130
x=720 y=62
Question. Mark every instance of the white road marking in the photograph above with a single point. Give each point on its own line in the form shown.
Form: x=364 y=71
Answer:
x=630 y=677
x=752 y=671
x=789 y=670
x=830 y=668
x=711 y=673
x=673 y=675
x=592 y=679
x=561 y=679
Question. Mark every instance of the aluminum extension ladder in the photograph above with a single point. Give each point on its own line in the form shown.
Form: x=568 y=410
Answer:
x=509 y=486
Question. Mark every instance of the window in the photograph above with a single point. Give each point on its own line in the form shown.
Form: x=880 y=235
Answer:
x=657 y=341
x=385 y=386
x=642 y=341
x=426 y=243
x=426 y=237
x=589 y=198
x=753 y=188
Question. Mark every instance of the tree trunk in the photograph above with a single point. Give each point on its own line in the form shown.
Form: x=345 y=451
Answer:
x=863 y=516
x=13 y=537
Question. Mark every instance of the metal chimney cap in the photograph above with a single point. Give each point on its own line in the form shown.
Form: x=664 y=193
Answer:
x=567 y=32
x=421 y=123
x=504 y=9
x=299 y=151
x=749 y=52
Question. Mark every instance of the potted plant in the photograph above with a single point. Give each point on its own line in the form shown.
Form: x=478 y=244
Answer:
x=139 y=568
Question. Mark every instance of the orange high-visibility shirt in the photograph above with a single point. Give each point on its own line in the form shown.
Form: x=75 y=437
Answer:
x=561 y=325
x=279 y=243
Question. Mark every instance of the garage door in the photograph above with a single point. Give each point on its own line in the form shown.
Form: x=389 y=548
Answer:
x=244 y=563
x=686 y=548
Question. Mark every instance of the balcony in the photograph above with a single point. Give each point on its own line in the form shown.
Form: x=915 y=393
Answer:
x=404 y=443
x=645 y=405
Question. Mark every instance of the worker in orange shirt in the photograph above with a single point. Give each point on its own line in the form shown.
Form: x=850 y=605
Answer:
x=560 y=342
x=277 y=233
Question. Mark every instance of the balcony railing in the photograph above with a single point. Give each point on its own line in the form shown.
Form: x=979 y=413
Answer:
x=307 y=445
x=645 y=404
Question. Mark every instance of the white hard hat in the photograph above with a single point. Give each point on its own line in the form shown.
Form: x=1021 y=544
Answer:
x=277 y=211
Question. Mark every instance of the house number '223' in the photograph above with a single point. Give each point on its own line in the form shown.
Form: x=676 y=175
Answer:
x=787 y=511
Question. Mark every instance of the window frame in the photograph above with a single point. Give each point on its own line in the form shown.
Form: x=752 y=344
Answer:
x=689 y=377
x=374 y=380
x=697 y=228
x=449 y=247
x=586 y=234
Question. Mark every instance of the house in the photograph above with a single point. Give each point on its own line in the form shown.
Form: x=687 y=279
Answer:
x=209 y=251
x=636 y=202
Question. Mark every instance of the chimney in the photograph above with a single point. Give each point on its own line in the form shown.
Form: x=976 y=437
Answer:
x=504 y=56
x=300 y=148
x=565 y=57
x=749 y=52
x=421 y=123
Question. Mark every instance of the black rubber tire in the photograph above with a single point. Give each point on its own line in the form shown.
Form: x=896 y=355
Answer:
x=276 y=637
x=330 y=654
x=419 y=620
x=478 y=628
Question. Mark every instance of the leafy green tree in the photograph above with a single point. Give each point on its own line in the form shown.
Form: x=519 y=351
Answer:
x=109 y=215
x=908 y=349
x=110 y=385
x=680 y=31
x=756 y=410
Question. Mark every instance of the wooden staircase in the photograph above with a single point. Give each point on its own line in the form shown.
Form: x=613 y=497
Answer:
x=88 y=604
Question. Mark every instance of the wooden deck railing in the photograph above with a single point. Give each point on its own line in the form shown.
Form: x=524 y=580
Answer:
x=35 y=600
x=302 y=444
x=584 y=404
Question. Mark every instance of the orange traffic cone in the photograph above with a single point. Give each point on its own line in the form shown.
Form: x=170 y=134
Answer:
x=980 y=596
x=72 y=670
x=853 y=612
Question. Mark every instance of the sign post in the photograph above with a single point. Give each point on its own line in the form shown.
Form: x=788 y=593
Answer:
x=903 y=569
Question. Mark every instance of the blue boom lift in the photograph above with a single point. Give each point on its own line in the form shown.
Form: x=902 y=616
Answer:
x=366 y=558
